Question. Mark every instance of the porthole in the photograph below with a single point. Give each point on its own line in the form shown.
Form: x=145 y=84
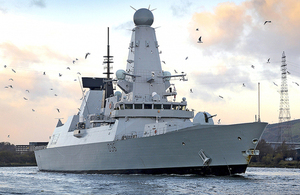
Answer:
x=254 y=141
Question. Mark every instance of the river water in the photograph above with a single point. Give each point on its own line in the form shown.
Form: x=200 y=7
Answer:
x=29 y=180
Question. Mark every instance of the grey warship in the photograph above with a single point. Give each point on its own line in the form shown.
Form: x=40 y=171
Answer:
x=142 y=130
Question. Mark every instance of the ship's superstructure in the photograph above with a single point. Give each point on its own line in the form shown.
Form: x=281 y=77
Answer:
x=140 y=130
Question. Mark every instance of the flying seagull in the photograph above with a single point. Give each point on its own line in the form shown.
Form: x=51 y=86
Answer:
x=191 y=90
x=86 y=55
x=33 y=110
x=78 y=73
x=275 y=83
x=44 y=73
x=74 y=61
x=10 y=79
x=57 y=110
x=175 y=71
x=220 y=96
x=25 y=98
x=197 y=29
x=244 y=85
x=252 y=66
x=199 y=40
x=268 y=60
x=13 y=70
x=59 y=74
x=219 y=121
x=186 y=58
x=296 y=83
x=10 y=86
x=288 y=72
x=68 y=68
x=267 y=22
x=5 y=66
x=163 y=62
x=27 y=90
x=130 y=61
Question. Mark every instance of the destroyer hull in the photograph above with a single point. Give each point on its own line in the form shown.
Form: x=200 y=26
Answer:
x=176 y=152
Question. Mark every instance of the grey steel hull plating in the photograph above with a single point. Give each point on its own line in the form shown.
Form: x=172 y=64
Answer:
x=174 y=152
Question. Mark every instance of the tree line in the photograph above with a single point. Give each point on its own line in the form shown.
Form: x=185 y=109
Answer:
x=9 y=156
x=281 y=156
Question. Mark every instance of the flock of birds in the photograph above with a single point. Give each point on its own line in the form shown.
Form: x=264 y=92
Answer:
x=44 y=73
x=252 y=66
x=87 y=54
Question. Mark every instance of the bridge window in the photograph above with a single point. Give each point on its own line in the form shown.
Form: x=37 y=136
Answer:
x=138 y=106
x=167 y=106
x=121 y=106
x=175 y=107
x=147 y=106
x=182 y=107
x=128 y=106
x=157 y=106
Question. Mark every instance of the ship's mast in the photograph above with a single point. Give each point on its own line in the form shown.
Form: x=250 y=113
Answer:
x=107 y=61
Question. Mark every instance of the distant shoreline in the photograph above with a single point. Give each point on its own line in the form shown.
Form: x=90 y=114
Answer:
x=18 y=165
x=281 y=164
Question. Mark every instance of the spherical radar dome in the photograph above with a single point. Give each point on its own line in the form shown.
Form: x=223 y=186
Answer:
x=143 y=17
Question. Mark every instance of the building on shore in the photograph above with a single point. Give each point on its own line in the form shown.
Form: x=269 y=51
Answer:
x=21 y=149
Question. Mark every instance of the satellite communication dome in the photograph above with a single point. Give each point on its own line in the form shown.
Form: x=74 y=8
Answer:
x=143 y=17
x=120 y=74
x=165 y=74
x=118 y=93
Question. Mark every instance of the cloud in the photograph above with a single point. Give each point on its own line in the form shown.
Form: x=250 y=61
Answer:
x=240 y=29
x=17 y=55
x=181 y=9
x=25 y=57
x=38 y=3
x=125 y=27
x=3 y=10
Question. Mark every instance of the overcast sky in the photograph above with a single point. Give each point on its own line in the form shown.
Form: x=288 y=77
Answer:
x=38 y=36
